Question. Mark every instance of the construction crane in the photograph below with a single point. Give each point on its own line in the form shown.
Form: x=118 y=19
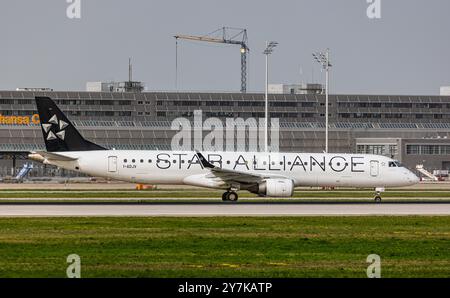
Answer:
x=229 y=35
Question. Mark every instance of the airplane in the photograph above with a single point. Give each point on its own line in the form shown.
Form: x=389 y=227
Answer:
x=265 y=174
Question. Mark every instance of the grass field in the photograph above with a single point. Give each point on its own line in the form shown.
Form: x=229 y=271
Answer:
x=226 y=247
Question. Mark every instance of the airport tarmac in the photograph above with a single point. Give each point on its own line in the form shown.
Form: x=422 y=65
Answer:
x=220 y=209
x=118 y=185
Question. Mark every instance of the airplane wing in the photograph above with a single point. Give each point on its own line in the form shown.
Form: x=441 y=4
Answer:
x=54 y=156
x=232 y=176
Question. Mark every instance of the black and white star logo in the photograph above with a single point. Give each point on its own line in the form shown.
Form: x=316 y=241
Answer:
x=60 y=128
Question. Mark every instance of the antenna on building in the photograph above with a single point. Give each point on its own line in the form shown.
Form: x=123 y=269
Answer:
x=130 y=70
x=301 y=74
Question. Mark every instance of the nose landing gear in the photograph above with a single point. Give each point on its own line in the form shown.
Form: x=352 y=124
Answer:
x=378 y=191
x=377 y=198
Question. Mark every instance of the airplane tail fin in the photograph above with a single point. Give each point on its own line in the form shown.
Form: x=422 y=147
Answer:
x=59 y=133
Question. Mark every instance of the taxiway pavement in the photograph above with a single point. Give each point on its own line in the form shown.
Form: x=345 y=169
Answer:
x=220 y=209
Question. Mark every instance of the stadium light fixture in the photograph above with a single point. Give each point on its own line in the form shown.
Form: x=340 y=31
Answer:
x=323 y=58
x=268 y=50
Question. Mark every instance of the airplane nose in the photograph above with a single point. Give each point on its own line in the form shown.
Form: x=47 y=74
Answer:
x=413 y=178
x=410 y=177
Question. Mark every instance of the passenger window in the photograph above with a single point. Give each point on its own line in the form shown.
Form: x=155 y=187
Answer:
x=125 y=160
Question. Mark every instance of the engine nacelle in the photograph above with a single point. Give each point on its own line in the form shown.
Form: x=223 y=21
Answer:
x=275 y=187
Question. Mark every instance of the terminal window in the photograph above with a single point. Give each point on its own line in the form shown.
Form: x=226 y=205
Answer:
x=378 y=149
x=428 y=149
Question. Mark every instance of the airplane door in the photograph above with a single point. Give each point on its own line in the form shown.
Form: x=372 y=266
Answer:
x=374 y=168
x=112 y=164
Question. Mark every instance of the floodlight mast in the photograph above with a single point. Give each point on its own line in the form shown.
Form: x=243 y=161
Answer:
x=323 y=58
x=268 y=50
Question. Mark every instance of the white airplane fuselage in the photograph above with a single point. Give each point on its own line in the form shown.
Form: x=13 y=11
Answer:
x=184 y=167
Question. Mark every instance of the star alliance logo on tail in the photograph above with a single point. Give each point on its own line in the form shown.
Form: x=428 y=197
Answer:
x=51 y=135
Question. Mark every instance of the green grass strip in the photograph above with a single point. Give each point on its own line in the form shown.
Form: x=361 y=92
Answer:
x=226 y=247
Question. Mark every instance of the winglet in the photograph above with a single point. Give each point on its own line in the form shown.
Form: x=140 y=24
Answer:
x=205 y=163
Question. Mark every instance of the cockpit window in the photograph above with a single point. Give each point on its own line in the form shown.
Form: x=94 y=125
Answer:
x=394 y=164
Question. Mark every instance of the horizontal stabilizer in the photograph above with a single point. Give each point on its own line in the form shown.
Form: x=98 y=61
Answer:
x=51 y=156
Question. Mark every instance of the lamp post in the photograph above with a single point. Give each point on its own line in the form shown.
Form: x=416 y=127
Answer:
x=269 y=49
x=323 y=58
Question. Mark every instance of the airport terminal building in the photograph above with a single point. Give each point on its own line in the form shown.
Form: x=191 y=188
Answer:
x=413 y=129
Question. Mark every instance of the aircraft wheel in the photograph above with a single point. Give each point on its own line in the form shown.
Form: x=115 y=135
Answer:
x=377 y=199
x=224 y=196
x=232 y=196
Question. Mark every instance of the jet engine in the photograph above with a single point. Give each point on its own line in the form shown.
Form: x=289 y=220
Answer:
x=274 y=187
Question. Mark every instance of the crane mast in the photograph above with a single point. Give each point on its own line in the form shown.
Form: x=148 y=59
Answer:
x=227 y=37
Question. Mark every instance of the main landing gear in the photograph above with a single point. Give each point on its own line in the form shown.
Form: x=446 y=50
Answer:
x=230 y=196
x=378 y=192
